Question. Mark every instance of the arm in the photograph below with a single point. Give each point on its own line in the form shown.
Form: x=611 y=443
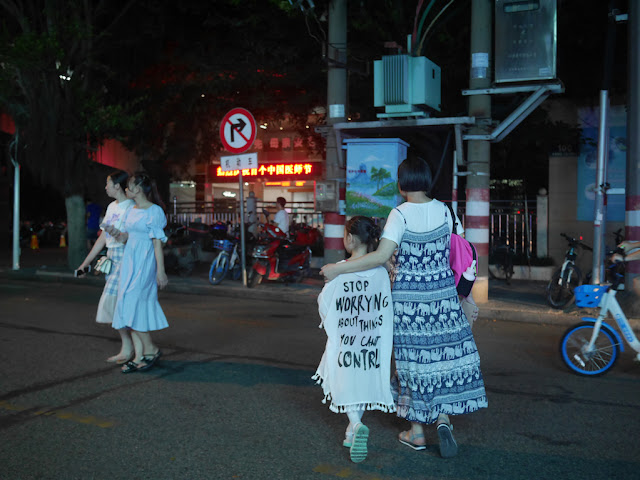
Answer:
x=161 y=274
x=97 y=248
x=370 y=260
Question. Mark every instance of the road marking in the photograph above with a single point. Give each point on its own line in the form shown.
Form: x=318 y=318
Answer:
x=342 y=472
x=63 y=415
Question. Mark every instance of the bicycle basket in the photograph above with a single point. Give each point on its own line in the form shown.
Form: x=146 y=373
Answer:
x=589 y=295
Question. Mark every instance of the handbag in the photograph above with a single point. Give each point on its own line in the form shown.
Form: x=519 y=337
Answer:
x=103 y=265
x=461 y=255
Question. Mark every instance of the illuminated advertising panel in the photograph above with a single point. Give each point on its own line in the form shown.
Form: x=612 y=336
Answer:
x=297 y=171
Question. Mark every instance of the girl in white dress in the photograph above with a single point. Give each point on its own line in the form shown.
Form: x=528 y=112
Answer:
x=142 y=272
x=116 y=211
x=357 y=315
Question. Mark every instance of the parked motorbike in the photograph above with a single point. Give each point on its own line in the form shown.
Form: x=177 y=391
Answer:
x=276 y=258
x=189 y=244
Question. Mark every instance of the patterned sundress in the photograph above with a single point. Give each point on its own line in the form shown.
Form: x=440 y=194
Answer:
x=437 y=361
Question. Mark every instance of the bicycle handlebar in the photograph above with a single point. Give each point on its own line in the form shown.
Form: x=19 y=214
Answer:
x=576 y=242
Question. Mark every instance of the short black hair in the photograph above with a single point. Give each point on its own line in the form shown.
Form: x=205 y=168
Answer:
x=414 y=175
x=281 y=200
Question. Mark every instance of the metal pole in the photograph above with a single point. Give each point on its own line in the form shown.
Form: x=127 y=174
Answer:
x=16 y=203
x=242 y=239
x=599 y=220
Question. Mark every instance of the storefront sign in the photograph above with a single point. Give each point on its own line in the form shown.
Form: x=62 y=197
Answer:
x=274 y=171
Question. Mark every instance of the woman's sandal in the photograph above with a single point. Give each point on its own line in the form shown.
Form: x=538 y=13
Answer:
x=120 y=360
x=409 y=439
x=448 y=445
x=149 y=361
x=130 y=367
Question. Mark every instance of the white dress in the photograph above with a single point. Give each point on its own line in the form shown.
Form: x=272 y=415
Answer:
x=137 y=306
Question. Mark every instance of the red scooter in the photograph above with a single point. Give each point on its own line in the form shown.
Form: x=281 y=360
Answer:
x=276 y=258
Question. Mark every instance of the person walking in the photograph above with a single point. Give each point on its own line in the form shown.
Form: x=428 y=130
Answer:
x=116 y=211
x=142 y=272
x=437 y=361
x=355 y=368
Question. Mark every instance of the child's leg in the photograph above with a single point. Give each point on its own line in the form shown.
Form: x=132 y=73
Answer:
x=355 y=416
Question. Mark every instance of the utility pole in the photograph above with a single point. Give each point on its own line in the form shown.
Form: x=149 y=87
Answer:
x=478 y=151
x=336 y=113
x=632 y=187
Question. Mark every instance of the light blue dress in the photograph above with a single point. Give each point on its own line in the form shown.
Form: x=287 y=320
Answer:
x=137 y=305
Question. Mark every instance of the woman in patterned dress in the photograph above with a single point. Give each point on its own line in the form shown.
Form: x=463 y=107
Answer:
x=116 y=211
x=438 y=366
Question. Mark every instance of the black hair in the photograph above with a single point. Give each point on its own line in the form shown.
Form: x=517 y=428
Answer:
x=148 y=186
x=414 y=175
x=281 y=200
x=119 y=177
x=366 y=230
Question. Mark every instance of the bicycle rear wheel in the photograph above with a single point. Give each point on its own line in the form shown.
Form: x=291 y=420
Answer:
x=573 y=349
x=561 y=285
x=219 y=268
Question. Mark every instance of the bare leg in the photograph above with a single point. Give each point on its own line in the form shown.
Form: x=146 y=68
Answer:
x=126 y=350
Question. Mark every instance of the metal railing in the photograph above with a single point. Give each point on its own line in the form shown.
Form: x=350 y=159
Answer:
x=509 y=222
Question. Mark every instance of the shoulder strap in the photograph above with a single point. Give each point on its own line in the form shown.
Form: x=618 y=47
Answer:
x=453 y=218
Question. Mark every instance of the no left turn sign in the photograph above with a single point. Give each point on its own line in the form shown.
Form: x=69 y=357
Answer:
x=238 y=130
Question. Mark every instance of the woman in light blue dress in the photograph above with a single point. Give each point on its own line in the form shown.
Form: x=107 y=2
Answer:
x=141 y=272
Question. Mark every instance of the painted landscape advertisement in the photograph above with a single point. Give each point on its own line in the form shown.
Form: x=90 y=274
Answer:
x=372 y=176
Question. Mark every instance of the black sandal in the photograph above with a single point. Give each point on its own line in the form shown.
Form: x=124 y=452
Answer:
x=149 y=361
x=130 y=367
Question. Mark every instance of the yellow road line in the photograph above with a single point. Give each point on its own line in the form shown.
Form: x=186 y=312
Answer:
x=63 y=415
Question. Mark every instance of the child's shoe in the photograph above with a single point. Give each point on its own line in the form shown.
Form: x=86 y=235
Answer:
x=358 y=449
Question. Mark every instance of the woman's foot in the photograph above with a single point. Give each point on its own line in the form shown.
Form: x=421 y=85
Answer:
x=412 y=440
x=120 y=358
x=448 y=445
x=149 y=360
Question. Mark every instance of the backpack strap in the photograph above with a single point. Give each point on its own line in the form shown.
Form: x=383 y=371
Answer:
x=453 y=218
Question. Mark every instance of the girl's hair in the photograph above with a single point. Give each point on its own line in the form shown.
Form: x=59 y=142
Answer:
x=414 y=175
x=366 y=231
x=148 y=186
x=119 y=177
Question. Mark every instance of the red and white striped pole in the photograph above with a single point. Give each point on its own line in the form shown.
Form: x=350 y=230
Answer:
x=632 y=228
x=333 y=237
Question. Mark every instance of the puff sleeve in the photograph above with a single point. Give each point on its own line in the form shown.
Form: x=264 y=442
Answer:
x=156 y=223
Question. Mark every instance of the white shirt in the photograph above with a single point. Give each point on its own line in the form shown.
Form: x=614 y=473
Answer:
x=420 y=217
x=115 y=217
x=282 y=220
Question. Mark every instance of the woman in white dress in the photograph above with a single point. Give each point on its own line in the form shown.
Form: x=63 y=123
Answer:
x=142 y=272
x=115 y=188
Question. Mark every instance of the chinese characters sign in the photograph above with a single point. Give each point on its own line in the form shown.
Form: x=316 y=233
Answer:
x=239 y=162
x=273 y=171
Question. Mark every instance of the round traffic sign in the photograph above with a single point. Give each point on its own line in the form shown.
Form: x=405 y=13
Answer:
x=238 y=130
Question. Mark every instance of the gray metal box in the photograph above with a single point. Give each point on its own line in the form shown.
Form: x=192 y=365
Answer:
x=526 y=40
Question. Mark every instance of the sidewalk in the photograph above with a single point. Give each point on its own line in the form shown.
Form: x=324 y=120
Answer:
x=521 y=301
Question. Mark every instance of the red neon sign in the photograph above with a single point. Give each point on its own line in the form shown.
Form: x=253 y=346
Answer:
x=273 y=170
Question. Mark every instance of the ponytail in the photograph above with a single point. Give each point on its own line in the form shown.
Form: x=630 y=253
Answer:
x=149 y=187
x=365 y=230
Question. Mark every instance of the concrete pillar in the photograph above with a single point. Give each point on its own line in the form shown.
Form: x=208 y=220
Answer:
x=477 y=215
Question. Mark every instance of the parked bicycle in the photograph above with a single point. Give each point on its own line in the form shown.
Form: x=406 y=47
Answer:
x=502 y=258
x=593 y=346
x=567 y=277
x=227 y=260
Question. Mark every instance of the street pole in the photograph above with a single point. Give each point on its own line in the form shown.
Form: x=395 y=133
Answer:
x=336 y=108
x=243 y=251
x=632 y=186
x=16 y=201
x=600 y=216
x=478 y=156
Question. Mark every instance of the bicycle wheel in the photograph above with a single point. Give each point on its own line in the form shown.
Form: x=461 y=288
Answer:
x=561 y=285
x=574 y=344
x=219 y=268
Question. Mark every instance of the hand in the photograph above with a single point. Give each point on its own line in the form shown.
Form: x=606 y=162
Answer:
x=111 y=230
x=329 y=271
x=162 y=279
x=470 y=273
x=617 y=258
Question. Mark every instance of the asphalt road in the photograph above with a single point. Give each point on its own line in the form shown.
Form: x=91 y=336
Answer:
x=232 y=398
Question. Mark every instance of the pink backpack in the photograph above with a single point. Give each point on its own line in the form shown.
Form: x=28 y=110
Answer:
x=461 y=254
